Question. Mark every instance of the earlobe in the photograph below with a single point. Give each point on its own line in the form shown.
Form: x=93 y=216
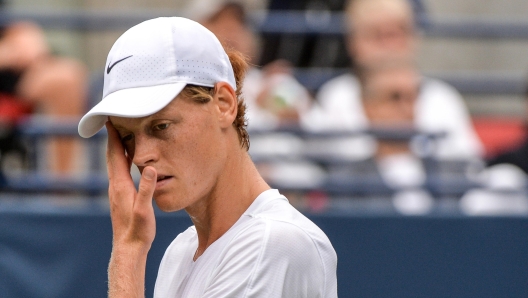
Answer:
x=227 y=103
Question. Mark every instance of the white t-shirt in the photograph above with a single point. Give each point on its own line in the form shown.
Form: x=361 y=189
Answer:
x=440 y=108
x=271 y=251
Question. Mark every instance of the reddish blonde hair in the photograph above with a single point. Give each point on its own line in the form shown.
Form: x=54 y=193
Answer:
x=203 y=95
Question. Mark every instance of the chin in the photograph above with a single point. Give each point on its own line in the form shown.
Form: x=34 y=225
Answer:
x=167 y=203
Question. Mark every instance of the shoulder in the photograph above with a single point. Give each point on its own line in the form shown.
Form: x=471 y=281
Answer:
x=176 y=261
x=189 y=235
x=435 y=88
x=345 y=83
x=338 y=106
x=185 y=240
x=284 y=232
x=437 y=95
x=289 y=255
x=300 y=242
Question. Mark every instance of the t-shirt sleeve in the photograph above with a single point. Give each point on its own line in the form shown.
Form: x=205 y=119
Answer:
x=275 y=259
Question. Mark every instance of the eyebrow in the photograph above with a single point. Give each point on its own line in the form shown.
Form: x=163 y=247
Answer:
x=116 y=125
x=161 y=115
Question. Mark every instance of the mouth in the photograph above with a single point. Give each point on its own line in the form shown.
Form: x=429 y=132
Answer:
x=163 y=178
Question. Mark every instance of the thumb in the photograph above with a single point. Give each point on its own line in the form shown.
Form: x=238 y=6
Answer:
x=147 y=185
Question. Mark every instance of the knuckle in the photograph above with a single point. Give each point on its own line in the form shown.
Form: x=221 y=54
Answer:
x=140 y=216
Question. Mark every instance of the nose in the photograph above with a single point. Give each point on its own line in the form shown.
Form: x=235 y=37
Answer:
x=145 y=151
x=395 y=38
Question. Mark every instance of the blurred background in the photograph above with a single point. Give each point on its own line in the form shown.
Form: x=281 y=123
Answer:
x=398 y=126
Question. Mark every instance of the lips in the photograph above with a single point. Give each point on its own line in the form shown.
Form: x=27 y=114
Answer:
x=161 y=178
x=163 y=181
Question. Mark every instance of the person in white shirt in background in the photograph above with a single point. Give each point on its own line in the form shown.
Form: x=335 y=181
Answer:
x=389 y=91
x=378 y=29
x=173 y=106
x=274 y=98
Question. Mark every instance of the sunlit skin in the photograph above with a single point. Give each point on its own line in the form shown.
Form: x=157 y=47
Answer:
x=181 y=144
x=379 y=28
x=198 y=162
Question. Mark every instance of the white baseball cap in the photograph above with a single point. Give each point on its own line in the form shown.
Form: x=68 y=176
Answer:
x=151 y=63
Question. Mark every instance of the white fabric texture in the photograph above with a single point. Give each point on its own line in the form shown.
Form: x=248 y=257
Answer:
x=151 y=63
x=271 y=251
x=440 y=108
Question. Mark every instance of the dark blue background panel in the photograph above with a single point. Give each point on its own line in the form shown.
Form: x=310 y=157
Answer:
x=58 y=254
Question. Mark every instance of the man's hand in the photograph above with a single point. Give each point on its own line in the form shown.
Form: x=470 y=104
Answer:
x=133 y=221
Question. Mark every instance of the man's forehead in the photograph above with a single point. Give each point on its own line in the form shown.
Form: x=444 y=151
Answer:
x=401 y=80
x=169 y=111
x=371 y=11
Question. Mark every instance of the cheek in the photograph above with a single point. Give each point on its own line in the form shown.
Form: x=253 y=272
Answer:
x=196 y=154
x=371 y=50
x=363 y=48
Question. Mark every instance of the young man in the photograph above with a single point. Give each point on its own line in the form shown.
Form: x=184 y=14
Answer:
x=172 y=98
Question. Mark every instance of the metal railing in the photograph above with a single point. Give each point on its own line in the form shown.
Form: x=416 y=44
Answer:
x=95 y=181
x=293 y=22
x=309 y=23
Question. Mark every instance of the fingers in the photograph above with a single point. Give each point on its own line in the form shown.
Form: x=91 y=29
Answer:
x=117 y=162
x=131 y=212
x=147 y=185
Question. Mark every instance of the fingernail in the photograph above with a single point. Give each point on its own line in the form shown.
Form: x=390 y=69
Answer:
x=149 y=173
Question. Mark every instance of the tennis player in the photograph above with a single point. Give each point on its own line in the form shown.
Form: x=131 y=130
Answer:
x=172 y=106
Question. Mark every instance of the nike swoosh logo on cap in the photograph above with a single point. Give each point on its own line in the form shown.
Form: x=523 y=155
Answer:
x=109 y=68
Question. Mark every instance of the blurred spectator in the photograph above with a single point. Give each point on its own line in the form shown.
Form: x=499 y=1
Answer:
x=273 y=96
x=32 y=80
x=389 y=92
x=518 y=155
x=377 y=29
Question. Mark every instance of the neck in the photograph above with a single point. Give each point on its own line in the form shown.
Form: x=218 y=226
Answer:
x=235 y=190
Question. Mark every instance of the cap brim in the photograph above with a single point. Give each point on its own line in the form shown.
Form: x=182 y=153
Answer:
x=130 y=103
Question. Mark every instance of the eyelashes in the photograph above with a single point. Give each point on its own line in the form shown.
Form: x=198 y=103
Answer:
x=156 y=128
x=126 y=138
x=160 y=127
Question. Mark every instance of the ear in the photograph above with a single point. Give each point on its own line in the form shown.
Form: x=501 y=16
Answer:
x=226 y=102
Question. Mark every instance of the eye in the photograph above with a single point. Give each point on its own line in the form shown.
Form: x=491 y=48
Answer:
x=126 y=138
x=159 y=127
